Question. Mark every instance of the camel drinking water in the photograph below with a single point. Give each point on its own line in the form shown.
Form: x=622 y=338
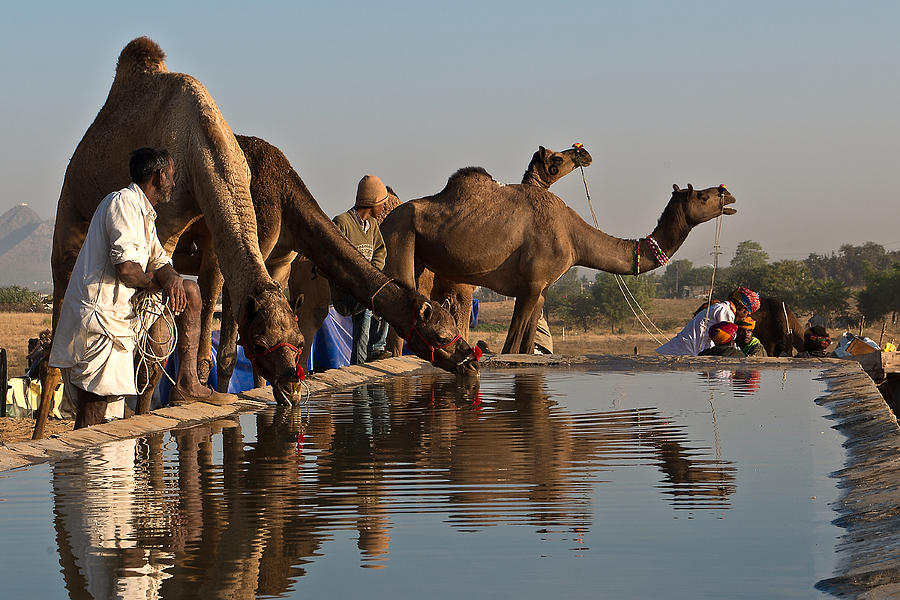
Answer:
x=535 y=238
x=290 y=221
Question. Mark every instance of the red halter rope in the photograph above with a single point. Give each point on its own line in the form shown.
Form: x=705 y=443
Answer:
x=301 y=375
x=475 y=350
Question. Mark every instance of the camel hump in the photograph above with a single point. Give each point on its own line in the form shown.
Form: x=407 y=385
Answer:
x=469 y=176
x=141 y=55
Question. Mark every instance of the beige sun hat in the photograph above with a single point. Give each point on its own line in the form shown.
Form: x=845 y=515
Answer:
x=370 y=192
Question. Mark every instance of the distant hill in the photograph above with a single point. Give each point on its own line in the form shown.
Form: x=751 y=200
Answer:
x=26 y=242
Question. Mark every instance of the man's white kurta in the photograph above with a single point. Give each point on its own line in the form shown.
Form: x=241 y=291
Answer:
x=95 y=337
x=694 y=338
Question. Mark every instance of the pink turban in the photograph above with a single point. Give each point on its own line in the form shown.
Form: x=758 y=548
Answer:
x=747 y=298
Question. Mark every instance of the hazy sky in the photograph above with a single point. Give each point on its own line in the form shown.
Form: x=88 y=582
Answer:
x=793 y=105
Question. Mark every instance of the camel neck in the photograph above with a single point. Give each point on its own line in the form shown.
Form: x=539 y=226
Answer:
x=531 y=178
x=598 y=250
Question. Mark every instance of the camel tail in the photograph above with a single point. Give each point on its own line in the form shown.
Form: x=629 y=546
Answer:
x=141 y=55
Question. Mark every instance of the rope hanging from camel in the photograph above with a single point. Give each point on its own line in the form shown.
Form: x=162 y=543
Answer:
x=578 y=147
x=618 y=278
x=716 y=253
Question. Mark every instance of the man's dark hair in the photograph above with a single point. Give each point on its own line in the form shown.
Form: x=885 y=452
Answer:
x=147 y=161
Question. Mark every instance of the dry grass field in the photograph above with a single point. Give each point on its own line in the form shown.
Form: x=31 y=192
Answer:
x=15 y=331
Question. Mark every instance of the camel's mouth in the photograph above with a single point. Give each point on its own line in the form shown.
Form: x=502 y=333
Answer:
x=287 y=392
x=726 y=200
x=580 y=157
x=468 y=367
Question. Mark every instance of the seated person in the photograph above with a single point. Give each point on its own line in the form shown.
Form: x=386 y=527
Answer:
x=815 y=343
x=543 y=341
x=744 y=339
x=722 y=335
x=691 y=340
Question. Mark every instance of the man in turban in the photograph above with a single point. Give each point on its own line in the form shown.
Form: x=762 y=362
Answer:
x=722 y=336
x=694 y=338
x=748 y=344
x=815 y=343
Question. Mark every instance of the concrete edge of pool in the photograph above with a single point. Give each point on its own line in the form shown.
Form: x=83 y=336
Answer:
x=868 y=509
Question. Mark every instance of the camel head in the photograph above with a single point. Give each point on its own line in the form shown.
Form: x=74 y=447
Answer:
x=435 y=338
x=393 y=202
x=700 y=206
x=272 y=341
x=547 y=166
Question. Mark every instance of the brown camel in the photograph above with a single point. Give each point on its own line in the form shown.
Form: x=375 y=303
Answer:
x=546 y=168
x=149 y=106
x=534 y=238
x=289 y=220
x=771 y=329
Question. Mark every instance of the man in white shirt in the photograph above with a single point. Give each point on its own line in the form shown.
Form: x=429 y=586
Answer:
x=95 y=337
x=694 y=338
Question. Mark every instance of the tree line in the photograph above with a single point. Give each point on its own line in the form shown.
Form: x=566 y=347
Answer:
x=853 y=283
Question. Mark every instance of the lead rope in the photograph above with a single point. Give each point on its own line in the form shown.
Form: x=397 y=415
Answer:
x=618 y=278
x=716 y=253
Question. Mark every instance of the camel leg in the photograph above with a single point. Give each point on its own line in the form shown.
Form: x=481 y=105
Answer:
x=521 y=323
x=67 y=242
x=527 y=346
x=227 y=356
x=50 y=380
x=210 y=282
x=400 y=264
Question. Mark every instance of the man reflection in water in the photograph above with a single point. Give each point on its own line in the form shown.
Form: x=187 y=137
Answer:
x=96 y=515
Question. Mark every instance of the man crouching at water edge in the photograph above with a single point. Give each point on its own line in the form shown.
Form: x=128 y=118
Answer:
x=693 y=339
x=722 y=335
x=120 y=260
x=749 y=345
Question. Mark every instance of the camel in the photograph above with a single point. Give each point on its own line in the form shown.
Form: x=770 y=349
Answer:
x=546 y=168
x=771 y=329
x=534 y=238
x=290 y=221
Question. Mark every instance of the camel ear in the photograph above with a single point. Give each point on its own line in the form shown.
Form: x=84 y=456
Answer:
x=675 y=187
x=690 y=189
x=425 y=311
x=543 y=152
x=251 y=306
x=297 y=302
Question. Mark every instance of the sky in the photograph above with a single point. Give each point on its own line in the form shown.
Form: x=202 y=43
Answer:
x=792 y=105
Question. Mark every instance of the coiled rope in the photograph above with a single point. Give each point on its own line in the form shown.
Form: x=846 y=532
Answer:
x=149 y=307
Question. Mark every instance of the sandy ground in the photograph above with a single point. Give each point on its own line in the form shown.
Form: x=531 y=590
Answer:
x=494 y=317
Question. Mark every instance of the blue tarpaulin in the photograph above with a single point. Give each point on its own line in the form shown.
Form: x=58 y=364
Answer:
x=330 y=349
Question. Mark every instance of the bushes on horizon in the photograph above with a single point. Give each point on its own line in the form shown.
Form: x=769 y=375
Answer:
x=19 y=296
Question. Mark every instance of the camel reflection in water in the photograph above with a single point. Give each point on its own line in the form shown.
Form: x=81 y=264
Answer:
x=132 y=522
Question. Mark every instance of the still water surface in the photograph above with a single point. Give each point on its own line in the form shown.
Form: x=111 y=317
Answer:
x=532 y=484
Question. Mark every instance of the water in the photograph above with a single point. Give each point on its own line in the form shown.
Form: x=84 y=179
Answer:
x=535 y=484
